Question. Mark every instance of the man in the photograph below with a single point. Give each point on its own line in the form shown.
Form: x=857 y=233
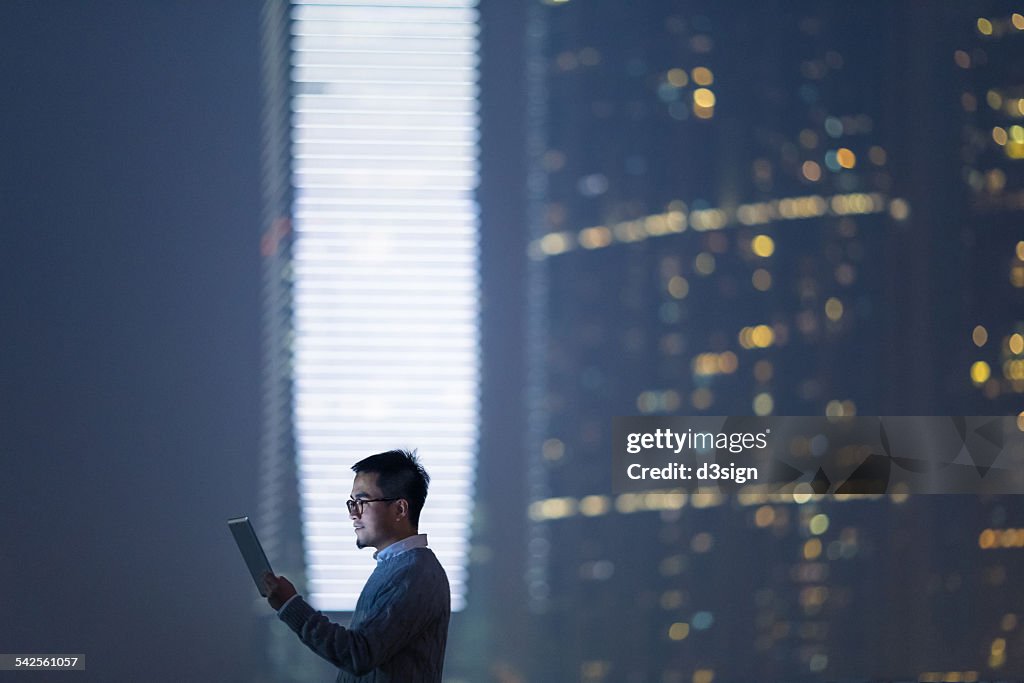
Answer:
x=399 y=628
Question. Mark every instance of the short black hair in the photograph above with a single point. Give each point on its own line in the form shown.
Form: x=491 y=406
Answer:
x=399 y=475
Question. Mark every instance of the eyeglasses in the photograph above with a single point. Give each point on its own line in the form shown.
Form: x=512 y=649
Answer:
x=355 y=505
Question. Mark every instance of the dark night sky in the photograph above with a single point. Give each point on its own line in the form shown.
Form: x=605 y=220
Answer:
x=129 y=371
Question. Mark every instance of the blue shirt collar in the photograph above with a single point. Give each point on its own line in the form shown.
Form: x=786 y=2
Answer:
x=407 y=543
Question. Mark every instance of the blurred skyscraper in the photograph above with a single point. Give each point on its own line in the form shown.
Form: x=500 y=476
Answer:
x=727 y=210
x=989 y=57
x=371 y=282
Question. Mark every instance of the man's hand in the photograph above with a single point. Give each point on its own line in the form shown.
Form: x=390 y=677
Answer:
x=279 y=589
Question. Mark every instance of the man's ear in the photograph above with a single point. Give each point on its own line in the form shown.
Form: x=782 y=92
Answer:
x=403 y=508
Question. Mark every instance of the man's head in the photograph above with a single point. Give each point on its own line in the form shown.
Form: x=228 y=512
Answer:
x=396 y=483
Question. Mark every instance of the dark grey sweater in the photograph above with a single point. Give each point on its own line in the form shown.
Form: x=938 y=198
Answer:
x=399 y=628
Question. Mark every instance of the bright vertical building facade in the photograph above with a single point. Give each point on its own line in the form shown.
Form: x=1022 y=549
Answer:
x=379 y=265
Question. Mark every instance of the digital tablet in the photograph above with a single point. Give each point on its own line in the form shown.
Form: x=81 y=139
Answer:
x=252 y=551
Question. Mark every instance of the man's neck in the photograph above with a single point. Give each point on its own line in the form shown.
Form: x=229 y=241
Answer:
x=393 y=541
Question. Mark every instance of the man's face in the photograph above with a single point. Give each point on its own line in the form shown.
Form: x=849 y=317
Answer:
x=377 y=527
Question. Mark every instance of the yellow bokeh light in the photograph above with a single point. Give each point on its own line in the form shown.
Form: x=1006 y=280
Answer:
x=627 y=503
x=762 y=336
x=703 y=97
x=1016 y=344
x=1017 y=276
x=811 y=171
x=818 y=524
x=1016 y=133
x=555 y=243
x=745 y=340
x=1020 y=250
x=703 y=112
x=764 y=517
x=835 y=408
x=984 y=26
x=834 y=309
x=999 y=135
x=979 y=336
x=679 y=630
x=994 y=99
x=702 y=76
x=1018 y=21
x=846 y=158
x=980 y=372
x=812 y=549
x=899 y=209
x=552 y=508
x=595 y=238
x=678 y=287
x=763 y=246
x=703 y=676
x=763 y=404
x=705 y=364
x=592 y=506
x=1013 y=369
x=802 y=493
x=677 y=77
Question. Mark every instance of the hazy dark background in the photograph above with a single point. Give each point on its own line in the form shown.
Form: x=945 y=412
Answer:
x=129 y=364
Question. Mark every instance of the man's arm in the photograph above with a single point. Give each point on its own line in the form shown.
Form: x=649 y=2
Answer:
x=400 y=612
